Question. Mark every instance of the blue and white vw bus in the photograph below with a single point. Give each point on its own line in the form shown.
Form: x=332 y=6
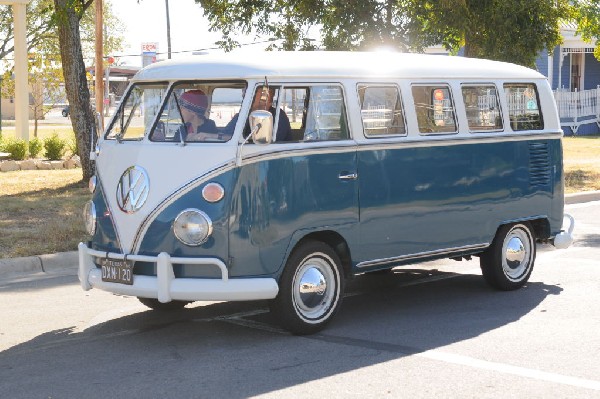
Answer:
x=388 y=159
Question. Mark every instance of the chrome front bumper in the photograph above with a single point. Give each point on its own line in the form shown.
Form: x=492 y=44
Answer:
x=165 y=287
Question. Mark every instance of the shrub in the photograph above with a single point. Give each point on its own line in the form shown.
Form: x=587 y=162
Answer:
x=72 y=146
x=55 y=147
x=35 y=147
x=17 y=148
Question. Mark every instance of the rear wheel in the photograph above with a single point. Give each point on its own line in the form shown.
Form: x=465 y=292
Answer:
x=310 y=289
x=154 y=304
x=508 y=262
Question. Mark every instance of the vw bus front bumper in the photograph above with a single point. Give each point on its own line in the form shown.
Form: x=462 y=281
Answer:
x=166 y=287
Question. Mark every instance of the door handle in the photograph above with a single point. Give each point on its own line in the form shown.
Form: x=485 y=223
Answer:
x=348 y=176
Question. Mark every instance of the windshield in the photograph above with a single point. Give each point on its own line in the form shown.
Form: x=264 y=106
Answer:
x=199 y=112
x=134 y=118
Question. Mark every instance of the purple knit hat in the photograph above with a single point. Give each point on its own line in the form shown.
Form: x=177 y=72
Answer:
x=194 y=100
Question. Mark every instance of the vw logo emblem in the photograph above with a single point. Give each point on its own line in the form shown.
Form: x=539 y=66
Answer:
x=132 y=190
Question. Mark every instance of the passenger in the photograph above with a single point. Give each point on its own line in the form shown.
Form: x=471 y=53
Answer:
x=263 y=100
x=193 y=105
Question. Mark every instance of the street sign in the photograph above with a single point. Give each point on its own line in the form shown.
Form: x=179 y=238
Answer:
x=149 y=47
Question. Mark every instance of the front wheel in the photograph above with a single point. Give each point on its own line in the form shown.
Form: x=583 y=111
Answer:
x=310 y=289
x=508 y=262
x=155 y=304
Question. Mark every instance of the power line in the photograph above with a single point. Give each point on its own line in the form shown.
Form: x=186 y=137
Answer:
x=172 y=52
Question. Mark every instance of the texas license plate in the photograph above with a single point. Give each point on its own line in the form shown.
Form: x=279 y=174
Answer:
x=117 y=271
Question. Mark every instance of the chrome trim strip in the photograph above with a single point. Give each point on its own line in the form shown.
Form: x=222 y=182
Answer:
x=436 y=141
x=447 y=251
x=299 y=149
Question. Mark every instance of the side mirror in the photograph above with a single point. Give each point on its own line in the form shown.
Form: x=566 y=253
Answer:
x=261 y=127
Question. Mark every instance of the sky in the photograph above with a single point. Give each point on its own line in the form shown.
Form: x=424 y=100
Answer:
x=147 y=22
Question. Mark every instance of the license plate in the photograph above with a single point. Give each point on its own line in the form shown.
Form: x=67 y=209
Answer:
x=117 y=271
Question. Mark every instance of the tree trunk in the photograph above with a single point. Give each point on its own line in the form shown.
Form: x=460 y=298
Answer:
x=78 y=94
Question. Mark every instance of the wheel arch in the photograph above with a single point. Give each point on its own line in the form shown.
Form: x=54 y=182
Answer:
x=540 y=226
x=334 y=240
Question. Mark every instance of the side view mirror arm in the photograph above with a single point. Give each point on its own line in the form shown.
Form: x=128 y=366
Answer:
x=238 y=157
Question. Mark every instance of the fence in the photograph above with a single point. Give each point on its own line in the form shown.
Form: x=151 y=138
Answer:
x=578 y=107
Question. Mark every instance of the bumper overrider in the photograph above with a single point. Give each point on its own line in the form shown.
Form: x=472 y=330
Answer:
x=166 y=287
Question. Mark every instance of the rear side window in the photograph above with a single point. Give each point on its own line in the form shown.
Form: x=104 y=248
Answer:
x=523 y=106
x=435 y=109
x=381 y=110
x=482 y=107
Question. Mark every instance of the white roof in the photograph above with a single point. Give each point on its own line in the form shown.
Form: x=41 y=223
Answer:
x=326 y=64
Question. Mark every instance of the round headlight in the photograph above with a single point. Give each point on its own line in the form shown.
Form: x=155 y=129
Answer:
x=92 y=184
x=192 y=227
x=89 y=217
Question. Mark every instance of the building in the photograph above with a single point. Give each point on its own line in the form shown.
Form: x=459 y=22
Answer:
x=574 y=74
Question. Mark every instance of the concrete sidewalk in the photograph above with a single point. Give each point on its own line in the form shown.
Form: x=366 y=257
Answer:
x=68 y=261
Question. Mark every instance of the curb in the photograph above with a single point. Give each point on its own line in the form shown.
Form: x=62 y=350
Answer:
x=585 y=196
x=50 y=263
x=68 y=261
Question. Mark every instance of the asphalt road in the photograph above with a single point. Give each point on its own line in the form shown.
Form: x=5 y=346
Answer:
x=433 y=330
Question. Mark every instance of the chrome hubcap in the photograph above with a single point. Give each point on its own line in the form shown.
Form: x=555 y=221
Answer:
x=312 y=287
x=315 y=288
x=517 y=251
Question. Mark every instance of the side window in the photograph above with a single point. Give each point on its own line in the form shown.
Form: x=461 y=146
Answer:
x=381 y=110
x=435 y=109
x=523 y=106
x=326 y=114
x=309 y=113
x=225 y=105
x=294 y=101
x=482 y=107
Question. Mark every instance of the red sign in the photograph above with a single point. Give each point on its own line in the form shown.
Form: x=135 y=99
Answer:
x=150 y=47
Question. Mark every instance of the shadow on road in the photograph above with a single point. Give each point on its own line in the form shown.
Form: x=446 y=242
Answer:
x=236 y=349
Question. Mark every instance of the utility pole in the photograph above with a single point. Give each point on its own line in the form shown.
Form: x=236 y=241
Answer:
x=168 y=30
x=99 y=70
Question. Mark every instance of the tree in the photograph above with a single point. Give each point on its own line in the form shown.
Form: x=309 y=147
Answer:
x=41 y=31
x=507 y=30
x=39 y=26
x=67 y=15
x=289 y=21
x=45 y=81
x=588 y=21
x=74 y=20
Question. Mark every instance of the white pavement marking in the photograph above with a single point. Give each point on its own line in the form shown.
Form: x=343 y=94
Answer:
x=509 y=369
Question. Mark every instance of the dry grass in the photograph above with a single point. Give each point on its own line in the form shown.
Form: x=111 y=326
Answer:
x=582 y=163
x=40 y=212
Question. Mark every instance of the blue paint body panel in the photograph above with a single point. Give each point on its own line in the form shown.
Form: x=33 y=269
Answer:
x=408 y=199
x=418 y=200
x=274 y=199
x=105 y=237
